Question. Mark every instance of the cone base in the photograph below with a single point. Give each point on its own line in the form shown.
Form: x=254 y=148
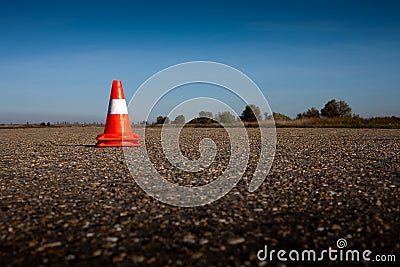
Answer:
x=109 y=140
x=117 y=143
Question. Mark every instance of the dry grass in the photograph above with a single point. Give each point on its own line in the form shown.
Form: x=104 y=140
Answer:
x=338 y=122
x=345 y=122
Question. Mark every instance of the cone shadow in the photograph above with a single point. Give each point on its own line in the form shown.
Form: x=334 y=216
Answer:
x=78 y=145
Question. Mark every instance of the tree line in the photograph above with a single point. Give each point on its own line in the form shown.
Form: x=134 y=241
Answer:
x=331 y=109
x=252 y=113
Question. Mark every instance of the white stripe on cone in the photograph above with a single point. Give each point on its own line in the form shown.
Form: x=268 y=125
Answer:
x=117 y=106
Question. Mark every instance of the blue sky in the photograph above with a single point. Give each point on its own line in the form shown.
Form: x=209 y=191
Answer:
x=58 y=58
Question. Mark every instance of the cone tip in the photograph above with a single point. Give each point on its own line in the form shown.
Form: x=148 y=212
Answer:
x=117 y=92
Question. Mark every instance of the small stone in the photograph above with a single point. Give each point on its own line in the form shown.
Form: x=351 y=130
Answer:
x=119 y=258
x=151 y=260
x=203 y=241
x=112 y=239
x=137 y=258
x=70 y=257
x=32 y=243
x=97 y=253
x=235 y=241
x=197 y=255
x=49 y=245
x=189 y=239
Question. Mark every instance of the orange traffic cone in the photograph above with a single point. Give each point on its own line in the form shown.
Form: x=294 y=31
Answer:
x=118 y=131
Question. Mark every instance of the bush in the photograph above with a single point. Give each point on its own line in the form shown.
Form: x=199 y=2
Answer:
x=336 y=109
x=311 y=113
x=180 y=119
x=279 y=116
x=162 y=120
x=225 y=117
x=251 y=113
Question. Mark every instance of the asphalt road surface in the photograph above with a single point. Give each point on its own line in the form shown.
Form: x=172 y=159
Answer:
x=65 y=202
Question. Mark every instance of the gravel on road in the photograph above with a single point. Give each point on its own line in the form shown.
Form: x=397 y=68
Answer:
x=65 y=202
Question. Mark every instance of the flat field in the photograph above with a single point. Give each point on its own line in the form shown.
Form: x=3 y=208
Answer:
x=65 y=202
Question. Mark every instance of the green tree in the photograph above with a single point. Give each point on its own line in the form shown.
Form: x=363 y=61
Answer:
x=251 y=113
x=344 y=109
x=310 y=113
x=206 y=114
x=267 y=116
x=280 y=116
x=180 y=119
x=201 y=120
x=162 y=120
x=225 y=117
x=336 y=109
x=330 y=109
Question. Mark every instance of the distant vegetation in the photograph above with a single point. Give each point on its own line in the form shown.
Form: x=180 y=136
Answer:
x=342 y=122
x=251 y=113
x=331 y=109
x=162 y=120
x=180 y=119
x=225 y=117
x=280 y=117
x=334 y=114
x=48 y=125
x=337 y=114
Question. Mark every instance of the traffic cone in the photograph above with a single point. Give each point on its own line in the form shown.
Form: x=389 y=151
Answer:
x=118 y=131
